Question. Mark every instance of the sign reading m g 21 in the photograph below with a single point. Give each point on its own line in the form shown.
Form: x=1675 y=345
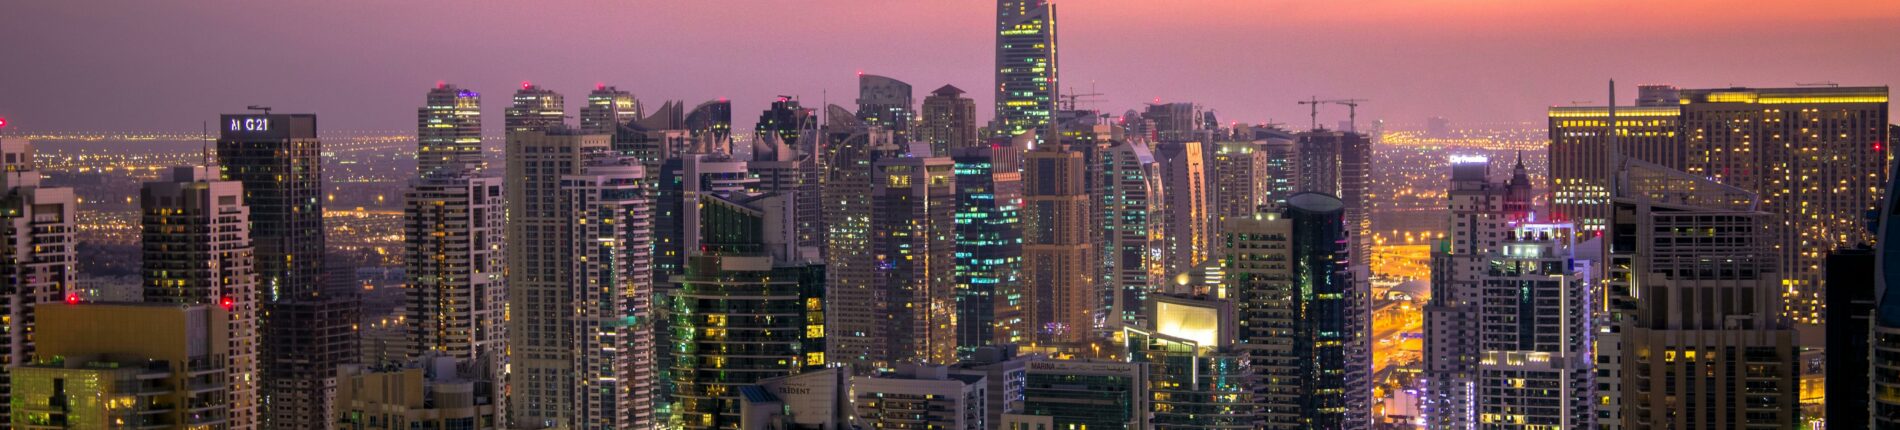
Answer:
x=252 y=124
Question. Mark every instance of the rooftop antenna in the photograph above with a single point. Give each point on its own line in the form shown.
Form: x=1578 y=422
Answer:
x=204 y=141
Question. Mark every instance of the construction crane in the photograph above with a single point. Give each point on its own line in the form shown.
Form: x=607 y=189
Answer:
x=1068 y=101
x=1352 y=111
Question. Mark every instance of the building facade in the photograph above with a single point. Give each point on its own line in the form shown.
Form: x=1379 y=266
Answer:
x=948 y=121
x=1296 y=314
x=196 y=250
x=989 y=248
x=1026 y=83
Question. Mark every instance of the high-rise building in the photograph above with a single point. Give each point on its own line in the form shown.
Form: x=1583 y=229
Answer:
x=949 y=121
x=922 y=396
x=1692 y=270
x=1282 y=169
x=39 y=256
x=790 y=123
x=1184 y=176
x=196 y=250
x=542 y=323
x=1240 y=180
x=607 y=108
x=852 y=280
x=139 y=365
x=1173 y=123
x=1884 y=338
x=1026 y=83
x=711 y=125
x=1483 y=213
x=430 y=392
x=308 y=329
x=1816 y=156
x=1135 y=236
x=1297 y=314
x=1580 y=164
x=1340 y=163
x=535 y=108
x=610 y=285
x=1075 y=394
x=781 y=167
x=682 y=179
x=1197 y=378
x=888 y=103
x=1850 y=316
x=1534 y=325
x=1057 y=300
x=749 y=307
x=453 y=229
x=989 y=253
x=913 y=240
x=1822 y=166
x=449 y=130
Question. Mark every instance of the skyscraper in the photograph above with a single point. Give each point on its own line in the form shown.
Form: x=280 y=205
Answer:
x=780 y=166
x=790 y=122
x=1822 y=166
x=1240 y=180
x=37 y=262
x=1057 y=297
x=949 y=121
x=1884 y=339
x=1026 y=83
x=1135 y=236
x=535 y=108
x=453 y=244
x=989 y=236
x=610 y=245
x=607 y=108
x=1482 y=213
x=1297 y=315
x=1184 y=176
x=852 y=274
x=748 y=308
x=1817 y=156
x=913 y=240
x=449 y=130
x=543 y=336
x=1535 y=368
x=711 y=125
x=196 y=243
x=1703 y=340
x=308 y=331
x=888 y=103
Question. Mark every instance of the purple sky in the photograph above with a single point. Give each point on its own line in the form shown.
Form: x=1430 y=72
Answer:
x=137 y=65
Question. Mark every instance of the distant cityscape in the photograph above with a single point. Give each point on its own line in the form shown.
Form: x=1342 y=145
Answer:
x=896 y=263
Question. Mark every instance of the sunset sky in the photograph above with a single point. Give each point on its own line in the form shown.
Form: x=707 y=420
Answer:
x=138 y=65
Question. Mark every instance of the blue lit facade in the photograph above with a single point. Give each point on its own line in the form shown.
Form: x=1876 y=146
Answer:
x=989 y=248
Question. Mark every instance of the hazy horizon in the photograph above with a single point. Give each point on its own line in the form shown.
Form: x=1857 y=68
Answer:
x=124 y=65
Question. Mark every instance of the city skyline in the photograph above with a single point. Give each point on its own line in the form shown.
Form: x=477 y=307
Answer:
x=1074 y=257
x=1472 y=62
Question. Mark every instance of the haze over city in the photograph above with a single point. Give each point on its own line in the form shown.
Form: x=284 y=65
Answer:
x=949 y=215
x=168 y=65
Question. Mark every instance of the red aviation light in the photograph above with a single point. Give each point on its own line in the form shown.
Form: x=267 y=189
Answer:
x=227 y=303
x=72 y=298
